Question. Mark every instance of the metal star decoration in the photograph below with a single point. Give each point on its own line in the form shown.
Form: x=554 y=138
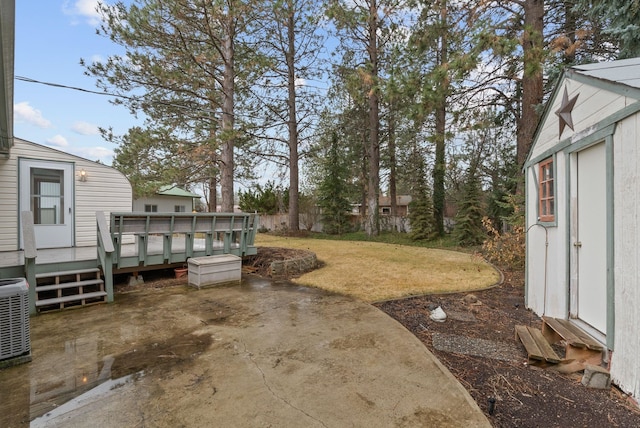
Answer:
x=564 y=112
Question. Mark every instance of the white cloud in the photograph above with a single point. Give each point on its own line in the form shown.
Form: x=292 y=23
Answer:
x=96 y=58
x=85 y=9
x=85 y=128
x=58 y=141
x=102 y=154
x=23 y=112
x=300 y=82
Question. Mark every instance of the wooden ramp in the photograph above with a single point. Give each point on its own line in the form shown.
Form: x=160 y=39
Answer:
x=536 y=345
x=579 y=346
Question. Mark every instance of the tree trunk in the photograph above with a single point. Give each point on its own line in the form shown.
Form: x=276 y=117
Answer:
x=532 y=89
x=392 y=162
x=228 y=88
x=372 y=225
x=294 y=218
x=213 y=196
x=440 y=129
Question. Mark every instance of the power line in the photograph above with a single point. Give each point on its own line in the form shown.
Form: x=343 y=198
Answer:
x=75 y=88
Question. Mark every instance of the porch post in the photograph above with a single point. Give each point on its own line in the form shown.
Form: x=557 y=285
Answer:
x=30 y=254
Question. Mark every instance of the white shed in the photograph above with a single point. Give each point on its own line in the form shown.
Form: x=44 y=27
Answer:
x=62 y=190
x=583 y=211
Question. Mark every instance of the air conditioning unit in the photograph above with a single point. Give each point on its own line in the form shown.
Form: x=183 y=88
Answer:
x=15 y=338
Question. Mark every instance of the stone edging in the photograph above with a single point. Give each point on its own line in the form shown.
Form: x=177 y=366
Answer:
x=295 y=266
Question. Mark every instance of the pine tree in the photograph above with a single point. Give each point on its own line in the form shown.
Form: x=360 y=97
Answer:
x=421 y=205
x=468 y=230
x=332 y=192
x=186 y=67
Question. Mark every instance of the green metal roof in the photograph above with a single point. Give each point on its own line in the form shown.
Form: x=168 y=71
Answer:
x=176 y=191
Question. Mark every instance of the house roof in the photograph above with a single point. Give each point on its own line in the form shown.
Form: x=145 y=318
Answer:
x=401 y=200
x=7 y=47
x=176 y=191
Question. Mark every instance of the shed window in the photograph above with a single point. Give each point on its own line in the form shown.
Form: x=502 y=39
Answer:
x=546 y=195
x=179 y=208
x=151 y=208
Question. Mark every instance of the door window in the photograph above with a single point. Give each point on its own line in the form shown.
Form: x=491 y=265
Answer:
x=47 y=196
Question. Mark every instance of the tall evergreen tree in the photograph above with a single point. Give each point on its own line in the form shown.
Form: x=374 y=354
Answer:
x=288 y=106
x=617 y=18
x=361 y=25
x=468 y=230
x=421 y=207
x=183 y=61
x=332 y=191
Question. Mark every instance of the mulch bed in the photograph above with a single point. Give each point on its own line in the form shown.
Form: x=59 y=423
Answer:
x=477 y=344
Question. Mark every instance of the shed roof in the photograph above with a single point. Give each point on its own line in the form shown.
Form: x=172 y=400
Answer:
x=624 y=71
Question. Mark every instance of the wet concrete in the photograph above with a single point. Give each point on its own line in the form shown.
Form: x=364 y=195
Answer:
x=261 y=354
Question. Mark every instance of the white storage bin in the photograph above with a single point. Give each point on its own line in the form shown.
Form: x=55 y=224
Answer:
x=212 y=270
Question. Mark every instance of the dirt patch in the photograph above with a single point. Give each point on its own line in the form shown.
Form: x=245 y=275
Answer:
x=158 y=356
x=477 y=344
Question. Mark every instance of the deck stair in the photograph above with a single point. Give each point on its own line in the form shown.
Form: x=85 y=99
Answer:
x=63 y=289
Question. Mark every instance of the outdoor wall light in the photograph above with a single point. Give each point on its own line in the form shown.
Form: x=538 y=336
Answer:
x=83 y=175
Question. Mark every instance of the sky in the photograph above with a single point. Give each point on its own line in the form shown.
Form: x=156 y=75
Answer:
x=51 y=37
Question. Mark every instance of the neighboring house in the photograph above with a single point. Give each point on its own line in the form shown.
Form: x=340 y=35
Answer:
x=62 y=190
x=583 y=210
x=168 y=199
x=402 y=205
x=384 y=206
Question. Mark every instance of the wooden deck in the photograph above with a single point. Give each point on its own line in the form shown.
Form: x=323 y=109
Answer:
x=47 y=256
x=79 y=254
x=128 y=242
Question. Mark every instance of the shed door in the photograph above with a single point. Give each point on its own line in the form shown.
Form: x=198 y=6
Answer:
x=591 y=242
x=46 y=189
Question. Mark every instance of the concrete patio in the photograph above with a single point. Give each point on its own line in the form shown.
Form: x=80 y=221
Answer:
x=258 y=354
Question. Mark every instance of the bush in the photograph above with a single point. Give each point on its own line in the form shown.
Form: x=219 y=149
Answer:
x=507 y=249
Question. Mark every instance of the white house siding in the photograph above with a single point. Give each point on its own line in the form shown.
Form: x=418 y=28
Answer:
x=9 y=203
x=105 y=189
x=625 y=365
x=166 y=204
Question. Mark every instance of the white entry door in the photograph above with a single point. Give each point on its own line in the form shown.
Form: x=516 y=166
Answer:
x=591 y=242
x=46 y=189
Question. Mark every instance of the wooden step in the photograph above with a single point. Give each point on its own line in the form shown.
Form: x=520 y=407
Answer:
x=72 y=298
x=578 y=344
x=78 y=287
x=555 y=328
x=62 y=285
x=536 y=345
x=67 y=273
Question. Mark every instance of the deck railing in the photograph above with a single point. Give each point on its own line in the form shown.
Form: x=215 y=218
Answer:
x=105 y=253
x=151 y=239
